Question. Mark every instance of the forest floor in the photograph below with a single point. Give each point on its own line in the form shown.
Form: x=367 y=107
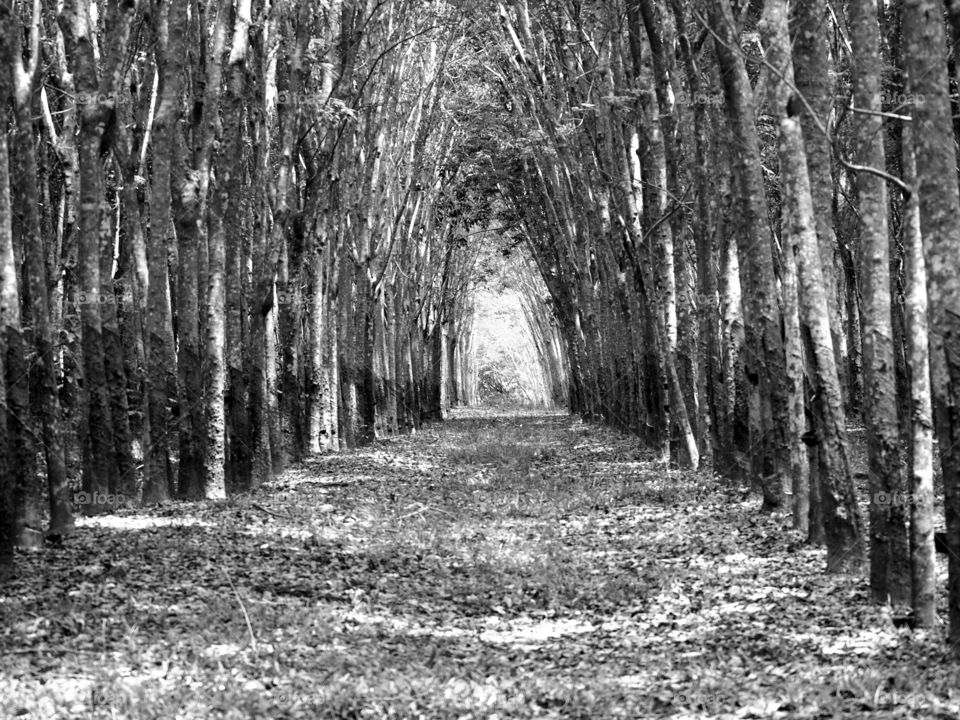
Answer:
x=494 y=566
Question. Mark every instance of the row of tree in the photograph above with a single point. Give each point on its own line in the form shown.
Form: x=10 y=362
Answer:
x=228 y=237
x=234 y=232
x=517 y=352
x=744 y=213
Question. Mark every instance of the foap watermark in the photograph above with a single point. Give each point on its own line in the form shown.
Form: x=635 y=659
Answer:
x=897 y=499
x=889 y=100
x=102 y=98
x=306 y=100
x=704 y=699
x=899 y=99
x=106 y=697
x=122 y=293
x=699 y=98
x=100 y=499
x=288 y=296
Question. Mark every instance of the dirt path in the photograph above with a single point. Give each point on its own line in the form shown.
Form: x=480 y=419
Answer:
x=491 y=567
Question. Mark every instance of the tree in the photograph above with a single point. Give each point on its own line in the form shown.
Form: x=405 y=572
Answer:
x=298 y=196
x=13 y=375
x=939 y=206
x=765 y=362
x=169 y=31
x=106 y=440
x=841 y=517
x=923 y=564
x=23 y=167
x=889 y=546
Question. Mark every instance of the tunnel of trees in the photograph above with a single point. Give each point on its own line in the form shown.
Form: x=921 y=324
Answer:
x=235 y=233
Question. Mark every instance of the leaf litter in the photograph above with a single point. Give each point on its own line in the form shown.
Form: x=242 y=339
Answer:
x=494 y=566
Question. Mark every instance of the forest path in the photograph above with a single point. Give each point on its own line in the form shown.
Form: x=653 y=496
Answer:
x=493 y=566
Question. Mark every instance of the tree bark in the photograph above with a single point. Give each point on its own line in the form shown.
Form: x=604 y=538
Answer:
x=842 y=524
x=813 y=74
x=889 y=545
x=923 y=565
x=160 y=378
x=14 y=376
x=26 y=201
x=924 y=42
x=763 y=354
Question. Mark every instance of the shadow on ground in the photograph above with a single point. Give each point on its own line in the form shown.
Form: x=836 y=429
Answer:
x=516 y=565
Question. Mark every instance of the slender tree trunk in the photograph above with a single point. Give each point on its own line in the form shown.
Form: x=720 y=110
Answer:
x=889 y=545
x=708 y=301
x=186 y=206
x=924 y=567
x=842 y=525
x=134 y=273
x=115 y=294
x=662 y=288
x=100 y=472
x=317 y=432
x=107 y=441
x=763 y=354
x=214 y=457
x=813 y=73
x=348 y=345
x=159 y=481
x=776 y=37
x=923 y=41
x=14 y=377
x=37 y=311
x=237 y=228
x=813 y=70
x=331 y=439
x=660 y=37
x=199 y=203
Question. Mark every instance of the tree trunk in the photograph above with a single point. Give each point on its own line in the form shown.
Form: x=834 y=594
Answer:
x=186 y=206
x=14 y=377
x=889 y=545
x=214 y=371
x=841 y=517
x=776 y=37
x=924 y=567
x=708 y=302
x=813 y=73
x=237 y=228
x=107 y=440
x=26 y=201
x=924 y=44
x=764 y=359
x=160 y=378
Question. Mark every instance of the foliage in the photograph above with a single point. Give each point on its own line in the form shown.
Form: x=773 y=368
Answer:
x=508 y=339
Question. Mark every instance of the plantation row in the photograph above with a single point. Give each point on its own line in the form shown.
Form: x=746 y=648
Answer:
x=236 y=233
